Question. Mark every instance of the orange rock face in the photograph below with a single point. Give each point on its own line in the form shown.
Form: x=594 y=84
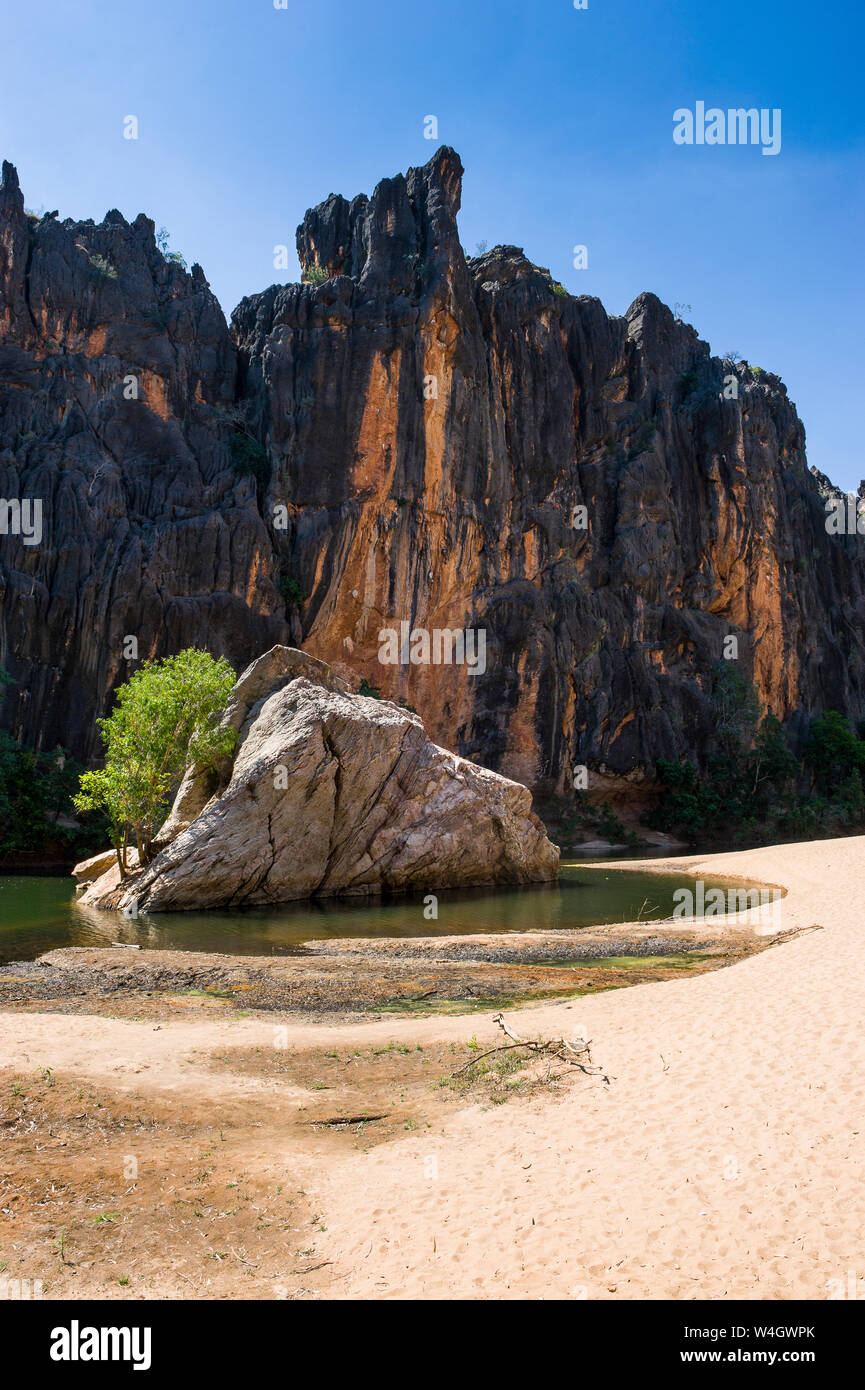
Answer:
x=412 y=438
x=604 y=499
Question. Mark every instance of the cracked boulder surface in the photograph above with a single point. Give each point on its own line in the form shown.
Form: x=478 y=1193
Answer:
x=332 y=793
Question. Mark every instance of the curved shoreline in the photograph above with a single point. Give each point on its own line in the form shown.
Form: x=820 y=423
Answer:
x=723 y=1159
x=340 y=975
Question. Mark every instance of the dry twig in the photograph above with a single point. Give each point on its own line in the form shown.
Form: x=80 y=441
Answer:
x=575 y=1056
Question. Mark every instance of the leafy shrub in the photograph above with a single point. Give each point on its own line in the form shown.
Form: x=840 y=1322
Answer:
x=682 y=808
x=102 y=268
x=292 y=591
x=753 y=787
x=249 y=458
x=315 y=275
x=36 y=790
x=165 y=719
x=609 y=825
x=832 y=752
x=162 y=239
x=374 y=693
x=849 y=799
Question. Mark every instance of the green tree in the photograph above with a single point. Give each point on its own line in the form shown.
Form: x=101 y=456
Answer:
x=737 y=708
x=849 y=799
x=293 y=591
x=832 y=751
x=249 y=458
x=36 y=790
x=753 y=785
x=166 y=718
x=771 y=764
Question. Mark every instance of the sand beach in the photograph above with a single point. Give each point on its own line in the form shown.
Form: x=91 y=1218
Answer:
x=713 y=1151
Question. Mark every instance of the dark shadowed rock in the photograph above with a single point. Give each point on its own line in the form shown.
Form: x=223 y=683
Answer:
x=117 y=408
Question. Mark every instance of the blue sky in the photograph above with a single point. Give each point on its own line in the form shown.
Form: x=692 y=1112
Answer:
x=563 y=120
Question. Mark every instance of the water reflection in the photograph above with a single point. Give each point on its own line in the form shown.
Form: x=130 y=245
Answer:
x=38 y=914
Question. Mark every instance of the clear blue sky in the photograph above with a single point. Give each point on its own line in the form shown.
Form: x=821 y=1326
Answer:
x=563 y=119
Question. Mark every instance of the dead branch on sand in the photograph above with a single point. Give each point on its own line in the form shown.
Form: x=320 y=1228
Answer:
x=577 y=1054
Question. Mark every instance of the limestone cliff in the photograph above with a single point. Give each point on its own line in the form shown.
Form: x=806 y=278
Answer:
x=433 y=425
x=117 y=388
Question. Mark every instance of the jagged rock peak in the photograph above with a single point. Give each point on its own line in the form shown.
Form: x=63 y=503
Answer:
x=10 y=176
x=380 y=241
x=504 y=264
x=11 y=196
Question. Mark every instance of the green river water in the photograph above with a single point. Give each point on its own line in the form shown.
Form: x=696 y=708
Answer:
x=39 y=914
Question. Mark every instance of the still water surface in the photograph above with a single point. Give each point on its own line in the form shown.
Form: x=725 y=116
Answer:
x=39 y=914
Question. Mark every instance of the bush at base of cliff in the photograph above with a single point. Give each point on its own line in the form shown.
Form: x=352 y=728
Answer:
x=832 y=752
x=36 y=811
x=575 y=818
x=609 y=826
x=758 y=791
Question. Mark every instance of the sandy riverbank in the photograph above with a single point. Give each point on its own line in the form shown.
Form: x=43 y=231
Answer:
x=723 y=1158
